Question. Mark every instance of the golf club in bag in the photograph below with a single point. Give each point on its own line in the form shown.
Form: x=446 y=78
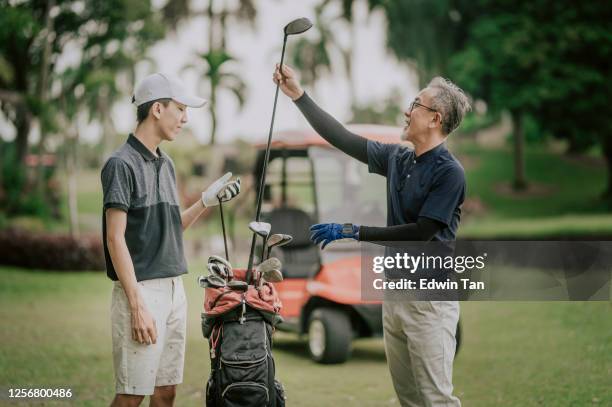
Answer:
x=295 y=27
x=239 y=317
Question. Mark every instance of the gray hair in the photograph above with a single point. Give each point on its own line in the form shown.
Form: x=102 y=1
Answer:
x=450 y=101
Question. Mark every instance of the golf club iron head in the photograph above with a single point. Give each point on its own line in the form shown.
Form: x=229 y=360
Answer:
x=269 y=264
x=219 y=270
x=218 y=259
x=278 y=240
x=211 y=281
x=272 y=275
x=274 y=239
x=221 y=261
x=298 y=26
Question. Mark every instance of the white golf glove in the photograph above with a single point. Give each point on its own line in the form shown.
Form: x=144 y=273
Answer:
x=223 y=189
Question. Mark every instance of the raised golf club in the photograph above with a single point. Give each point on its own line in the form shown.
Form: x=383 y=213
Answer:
x=295 y=27
x=277 y=240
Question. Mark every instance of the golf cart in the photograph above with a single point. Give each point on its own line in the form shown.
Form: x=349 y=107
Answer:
x=308 y=181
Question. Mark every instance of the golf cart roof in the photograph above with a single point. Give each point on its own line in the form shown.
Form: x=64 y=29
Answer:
x=300 y=139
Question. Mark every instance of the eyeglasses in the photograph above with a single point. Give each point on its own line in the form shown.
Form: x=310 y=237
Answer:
x=415 y=103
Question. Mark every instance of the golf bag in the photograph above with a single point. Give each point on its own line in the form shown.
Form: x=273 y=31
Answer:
x=239 y=327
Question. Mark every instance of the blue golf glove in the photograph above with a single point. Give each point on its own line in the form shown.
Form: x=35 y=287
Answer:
x=328 y=232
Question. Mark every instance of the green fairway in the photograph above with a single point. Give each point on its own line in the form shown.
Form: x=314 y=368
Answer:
x=56 y=332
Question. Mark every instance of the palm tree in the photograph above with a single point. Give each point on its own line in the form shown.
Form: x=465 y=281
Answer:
x=219 y=79
x=311 y=56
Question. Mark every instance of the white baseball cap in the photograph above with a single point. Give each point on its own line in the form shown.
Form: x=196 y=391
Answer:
x=164 y=86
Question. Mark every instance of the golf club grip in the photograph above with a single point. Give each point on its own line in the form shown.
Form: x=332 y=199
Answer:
x=250 y=265
x=223 y=227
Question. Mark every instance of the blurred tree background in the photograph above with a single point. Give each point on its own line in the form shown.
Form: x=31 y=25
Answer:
x=548 y=61
x=537 y=73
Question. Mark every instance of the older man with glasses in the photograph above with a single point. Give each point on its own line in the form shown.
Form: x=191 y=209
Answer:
x=425 y=190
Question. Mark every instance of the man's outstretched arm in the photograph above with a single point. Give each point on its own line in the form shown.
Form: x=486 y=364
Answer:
x=323 y=123
x=424 y=229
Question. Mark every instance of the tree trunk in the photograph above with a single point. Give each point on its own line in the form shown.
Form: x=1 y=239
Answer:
x=71 y=172
x=213 y=112
x=109 y=132
x=211 y=25
x=23 y=123
x=518 y=135
x=606 y=144
x=42 y=95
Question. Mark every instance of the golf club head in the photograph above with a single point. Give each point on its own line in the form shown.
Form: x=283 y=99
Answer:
x=298 y=26
x=216 y=281
x=238 y=285
x=217 y=269
x=286 y=240
x=260 y=228
x=272 y=276
x=202 y=282
x=269 y=264
x=220 y=260
x=274 y=239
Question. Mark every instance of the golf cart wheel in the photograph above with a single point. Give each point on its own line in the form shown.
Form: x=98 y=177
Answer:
x=329 y=336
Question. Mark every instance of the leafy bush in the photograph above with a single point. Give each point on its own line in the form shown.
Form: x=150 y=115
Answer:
x=50 y=251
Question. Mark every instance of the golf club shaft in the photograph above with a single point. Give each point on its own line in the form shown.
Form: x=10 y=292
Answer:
x=223 y=227
x=262 y=182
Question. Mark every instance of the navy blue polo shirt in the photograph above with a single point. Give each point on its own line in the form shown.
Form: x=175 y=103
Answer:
x=431 y=185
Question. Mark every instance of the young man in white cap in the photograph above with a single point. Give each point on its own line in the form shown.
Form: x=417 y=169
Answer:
x=143 y=246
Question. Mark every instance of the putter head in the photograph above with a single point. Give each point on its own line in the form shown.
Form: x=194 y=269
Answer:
x=238 y=285
x=272 y=276
x=298 y=26
x=260 y=228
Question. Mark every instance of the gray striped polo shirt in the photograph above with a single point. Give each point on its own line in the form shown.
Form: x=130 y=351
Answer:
x=143 y=185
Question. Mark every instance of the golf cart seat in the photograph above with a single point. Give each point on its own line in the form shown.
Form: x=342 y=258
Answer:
x=300 y=257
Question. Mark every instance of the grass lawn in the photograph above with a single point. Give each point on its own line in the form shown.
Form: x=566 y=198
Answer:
x=566 y=201
x=56 y=332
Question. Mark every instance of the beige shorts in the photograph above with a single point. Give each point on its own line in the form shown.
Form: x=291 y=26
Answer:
x=139 y=368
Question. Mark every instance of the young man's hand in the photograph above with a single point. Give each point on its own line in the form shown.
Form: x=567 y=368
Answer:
x=223 y=189
x=144 y=329
x=288 y=82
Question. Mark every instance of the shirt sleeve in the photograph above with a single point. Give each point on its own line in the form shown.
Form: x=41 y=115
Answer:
x=117 y=184
x=378 y=157
x=446 y=194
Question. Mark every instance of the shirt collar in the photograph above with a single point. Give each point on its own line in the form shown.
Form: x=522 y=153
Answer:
x=431 y=154
x=142 y=149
